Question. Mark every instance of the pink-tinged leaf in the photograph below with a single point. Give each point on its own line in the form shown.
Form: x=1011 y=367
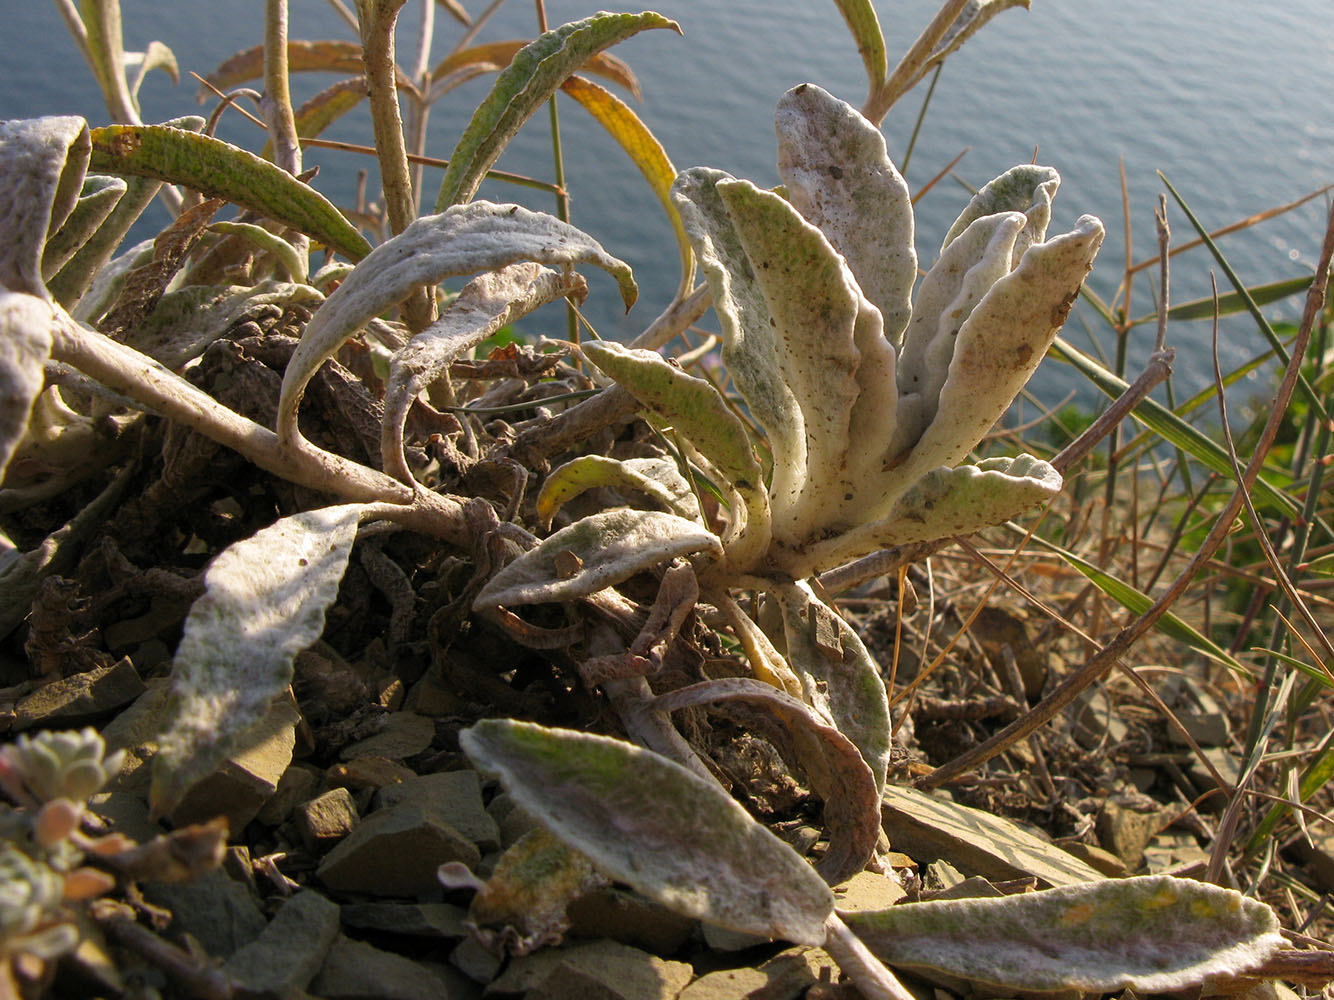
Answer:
x=838 y=675
x=1152 y=934
x=264 y=602
x=594 y=553
x=830 y=759
x=652 y=824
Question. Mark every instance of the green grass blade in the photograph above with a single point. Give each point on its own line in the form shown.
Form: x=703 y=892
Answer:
x=1313 y=672
x=1303 y=386
x=1233 y=302
x=1172 y=428
x=524 y=86
x=1137 y=603
x=865 y=27
x=218 y=169
x=1315 y=778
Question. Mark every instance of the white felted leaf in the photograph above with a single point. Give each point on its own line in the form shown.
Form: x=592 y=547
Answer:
x=943 y=503
x=264 y=602
x=594 y=553
x=25 y=344
x=42 y=163
x=99 y=196
x=1026 y=188
x=839 y=177
x=486 y=303
x=813 y=303
x=750 y=345
x=1002 y=343
x=465 y=239
x=657 y=478
x=651 y=823
x=965 y=272
x=1152 y=934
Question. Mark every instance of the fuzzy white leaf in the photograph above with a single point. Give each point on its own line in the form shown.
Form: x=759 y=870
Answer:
x=25 y=344
x=42 y=163
x=465 y=239
x=594 y=553
x=1027 y=188
x=264 y=602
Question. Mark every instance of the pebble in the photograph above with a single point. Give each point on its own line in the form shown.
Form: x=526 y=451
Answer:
x=80 y=698
x=326 y=819
x=395 y=852
x=291 y=950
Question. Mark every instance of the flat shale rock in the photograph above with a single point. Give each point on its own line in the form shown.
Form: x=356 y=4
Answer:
x=786 y=976
x=631 y=919
x=214 y=909
x=72 y=701
x=405 y=734
x=868 y=891
x=455 y=795
x=600 y=970
x=430 y=920
x=326 y=819
x=977 y=843
x=395 y=852
x=283 y=960
x=354 y=970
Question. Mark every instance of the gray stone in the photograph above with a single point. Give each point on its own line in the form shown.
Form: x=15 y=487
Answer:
x=1096 y=722
x=368 y=772
x=786 y=976
x=354 y=970
x=1126 y=832
x=214 y=909
x=405 y=735
x=1097 y=857
x=474 y=961
x=248 y=779
x=287 y=955
x=599 y=970
x=432 y=920
x=395 y=852
x=126 y=813
x=326 y=819
x=868 y=891
x=455 y=795
x=298 y=784
x=512 y=820
x=135 y=731
x=629 y=918
x=79 y=698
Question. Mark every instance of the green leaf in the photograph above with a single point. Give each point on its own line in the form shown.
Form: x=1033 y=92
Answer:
x=25 y=344
x=839 y=177
x=657 y=478
x=156 y=56
x=1137 y=603
x=654 y=825
x=1172 y=428
x=492 y=56
x=293 y=267
x=264 y=602
x=71 y=282
x=100 y=195
x=526 y=83
x=860 y=17
x=42 y=163
x=645 y=151
x=466 y=239
x=594 y=553
x=838 y=675
x=943 y=503
x=220 y=170
x=1152 y=934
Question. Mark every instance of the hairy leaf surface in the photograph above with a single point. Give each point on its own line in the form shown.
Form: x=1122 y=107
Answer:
x=42 y=163
x=657 y=478
x=1151 y=934
x=654 y=825
x=264 y=602
x=25 y=344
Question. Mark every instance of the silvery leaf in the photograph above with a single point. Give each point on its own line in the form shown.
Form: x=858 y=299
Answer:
x=25 y=344
x=1026 y=188
x=42 y=164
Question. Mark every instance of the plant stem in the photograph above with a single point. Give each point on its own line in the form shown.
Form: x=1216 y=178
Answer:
x=276 y=106
x=873 y=979
x=558 y=166
x=910 y=66
x=377 y=52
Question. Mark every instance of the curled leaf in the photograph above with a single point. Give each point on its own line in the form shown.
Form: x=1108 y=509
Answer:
x=1027 y=188
x=465 y=239
x=531 y=77
x=96 y=201
x=497 y=55
x=42 y=163
x=595 y=552
x=657 y=478
x=25 y=344
x=654 y=825
x=264 y=602
x=486 y=304
x=1152 y=934
x=851 y=797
